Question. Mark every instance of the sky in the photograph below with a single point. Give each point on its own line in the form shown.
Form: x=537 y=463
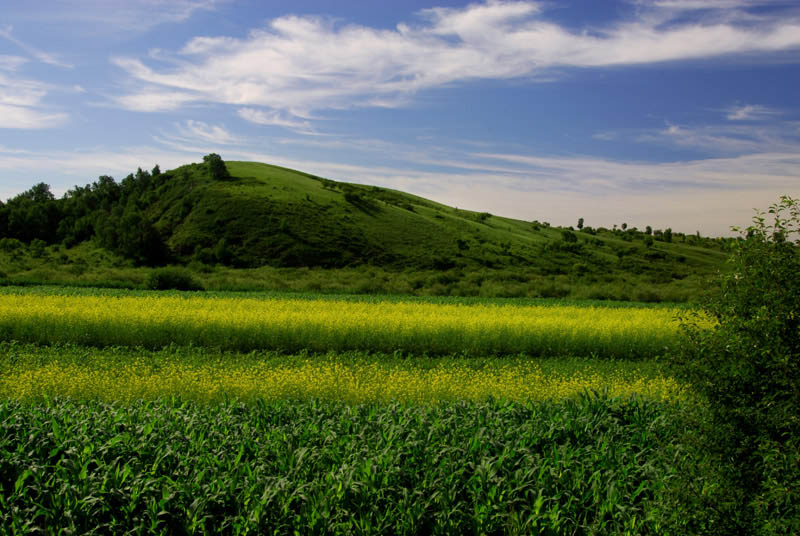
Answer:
x=668 y=113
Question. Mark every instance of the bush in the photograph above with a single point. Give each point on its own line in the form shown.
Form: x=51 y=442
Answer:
x=748 y=370
x=172 y=278
x=216 y=167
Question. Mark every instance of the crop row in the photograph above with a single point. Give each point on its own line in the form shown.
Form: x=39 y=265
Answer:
x=586 y=466
x=35 y=374
x=246 y=324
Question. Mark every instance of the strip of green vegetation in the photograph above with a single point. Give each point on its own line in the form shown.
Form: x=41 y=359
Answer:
x=589 y=466
x=50 y=290
x=84 y=266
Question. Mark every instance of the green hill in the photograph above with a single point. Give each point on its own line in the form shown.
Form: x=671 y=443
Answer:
x=267 y=215
x=259 y=215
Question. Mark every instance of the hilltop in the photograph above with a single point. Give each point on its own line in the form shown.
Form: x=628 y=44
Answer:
x=247 y=215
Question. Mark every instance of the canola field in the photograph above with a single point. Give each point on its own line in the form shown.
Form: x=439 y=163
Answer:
x=246 y=324
x=30 y=373
x=148 y=413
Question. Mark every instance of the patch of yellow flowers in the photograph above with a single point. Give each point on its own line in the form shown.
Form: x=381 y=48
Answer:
x=245 y=324
x=326 y=379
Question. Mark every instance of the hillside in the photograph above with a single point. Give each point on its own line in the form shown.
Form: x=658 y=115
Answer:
x=256 y=215
x=267 y=215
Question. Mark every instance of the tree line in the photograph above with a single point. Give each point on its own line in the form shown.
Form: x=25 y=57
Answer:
x=111 y=213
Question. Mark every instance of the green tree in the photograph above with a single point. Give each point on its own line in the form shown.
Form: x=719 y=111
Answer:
x=33 y=214
x=138 y=240
x=747 y=368
x=216 y=167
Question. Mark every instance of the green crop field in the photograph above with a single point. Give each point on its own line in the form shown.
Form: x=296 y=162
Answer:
x=145 y=412
x=592 y=466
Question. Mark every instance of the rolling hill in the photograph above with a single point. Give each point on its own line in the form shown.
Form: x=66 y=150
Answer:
x=254 y=215
x=267 y=215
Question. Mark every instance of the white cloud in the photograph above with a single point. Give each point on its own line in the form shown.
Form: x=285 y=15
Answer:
x=153 y=100
x=750 y=112
x=197 y=137
x=11 y=63
x=110 y=17
x=40 y=55
x=727 y=139
x=20 y=105
x=776 y=171
x=274 y=117
x=605 y=136
x=209 y=133
x=27 y=118
x=314 y=63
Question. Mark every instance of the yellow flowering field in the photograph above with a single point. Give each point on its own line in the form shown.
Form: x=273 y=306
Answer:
x=322 y=378
x=247 y=323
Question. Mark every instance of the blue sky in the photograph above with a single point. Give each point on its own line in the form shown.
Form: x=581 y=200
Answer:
x=679 y=113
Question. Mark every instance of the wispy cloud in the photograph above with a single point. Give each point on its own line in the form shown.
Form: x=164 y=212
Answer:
x=21 y=105
x=105 y=17
x=11 y=63
x=314 y=63
x=728 y=139
x=40 y=55
x=211 y=133
x=22 y=117
x=198 y=137
x=750 y=112
x=607 y=135
x=275 y=117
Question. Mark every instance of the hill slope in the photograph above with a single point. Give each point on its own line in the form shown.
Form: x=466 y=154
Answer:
x=257 y=215
x=267 y=215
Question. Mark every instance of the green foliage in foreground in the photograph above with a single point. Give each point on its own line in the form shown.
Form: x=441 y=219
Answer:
x=748 y=368
x=593 y=466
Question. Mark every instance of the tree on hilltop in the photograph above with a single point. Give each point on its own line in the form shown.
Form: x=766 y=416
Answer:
x=216 y=167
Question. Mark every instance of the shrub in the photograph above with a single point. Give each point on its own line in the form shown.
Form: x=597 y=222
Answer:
x=10 y=244
x=216 y=167
x=172 y=278
x=568 y=236
x=748 y=370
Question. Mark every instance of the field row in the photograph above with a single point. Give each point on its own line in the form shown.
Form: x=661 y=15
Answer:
x=291 y=325
x=588 y=466
x=34 y=374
